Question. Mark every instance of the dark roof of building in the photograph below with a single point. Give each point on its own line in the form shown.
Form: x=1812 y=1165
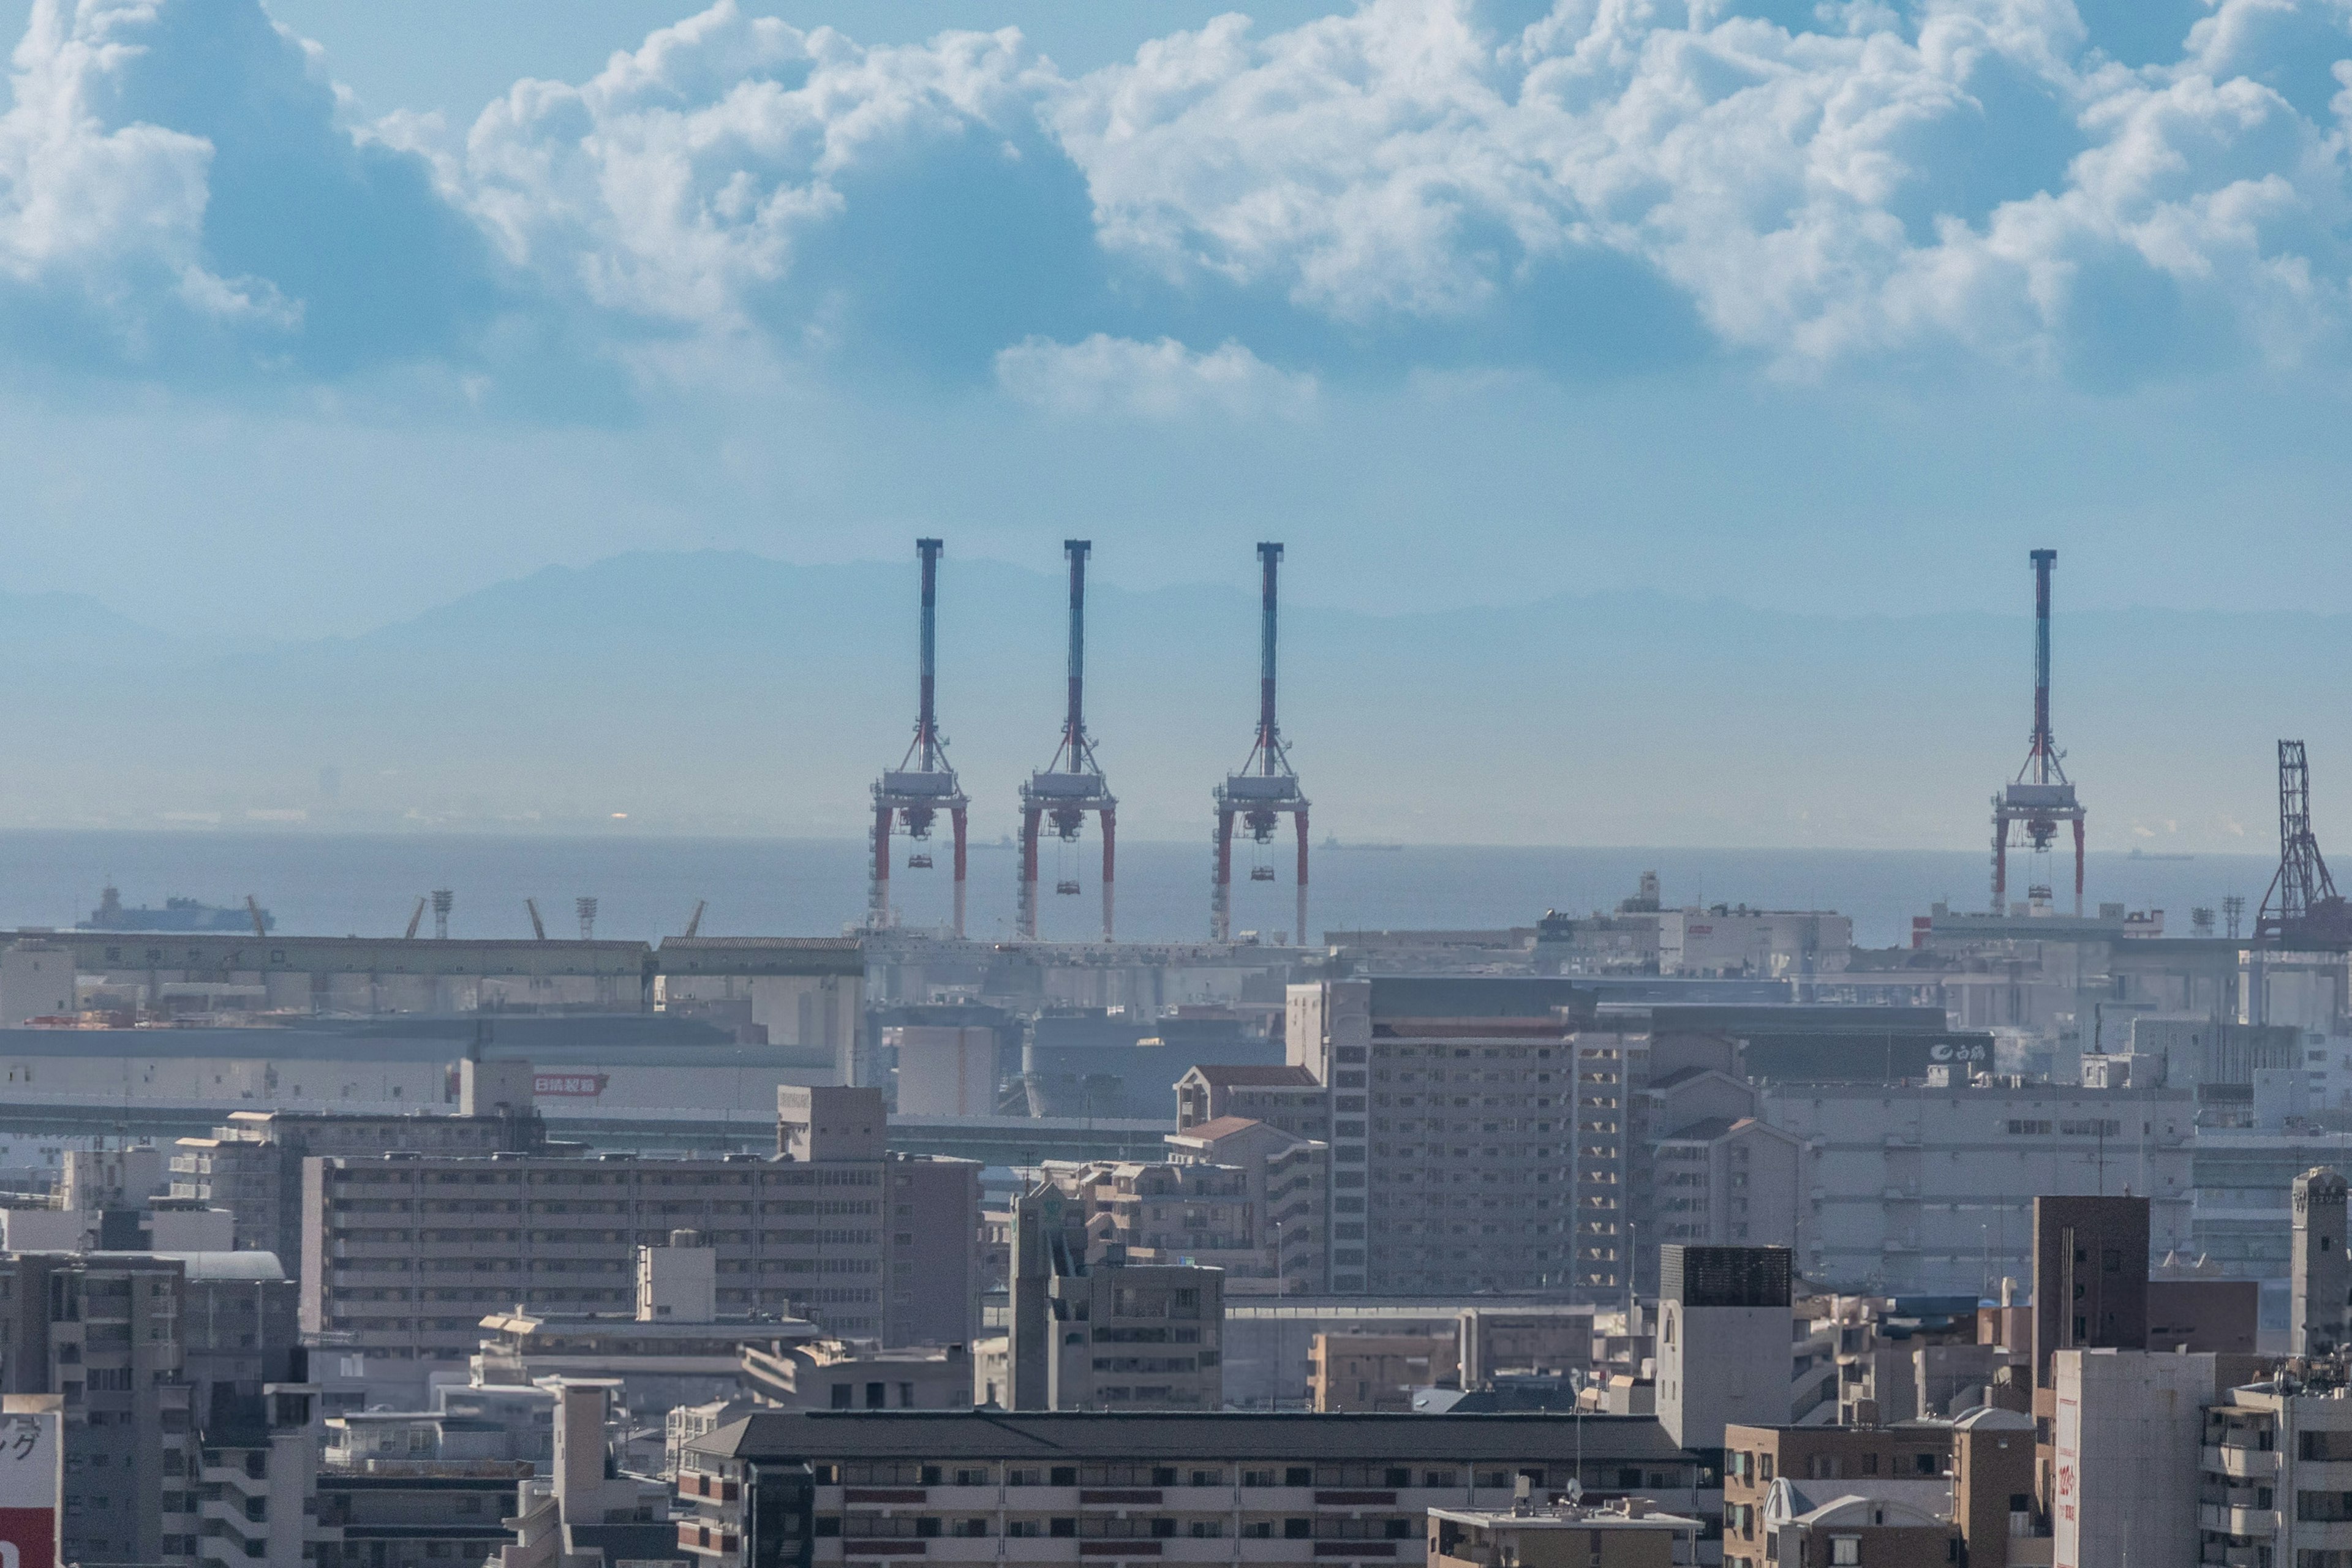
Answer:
x=1479 y=996
x=1801 y=1019
x=630 y=1542
x=1515 y=1400
x=1703 y=1131
x=1244 y=1073
x=830 y=1435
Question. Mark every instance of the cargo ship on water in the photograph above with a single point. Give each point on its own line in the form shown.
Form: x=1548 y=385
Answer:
x=177 y=914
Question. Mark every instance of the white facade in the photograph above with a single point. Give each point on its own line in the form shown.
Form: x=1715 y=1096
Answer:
x=2277 y=1469
x=944 y=1072
x=37 y=980
x=2125 y=1441
x=1924 y=1190
x=1722 y=1365
x=190 y=1069
x=1765 y=943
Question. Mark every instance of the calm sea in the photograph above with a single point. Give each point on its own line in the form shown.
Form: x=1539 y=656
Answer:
x=317 y=884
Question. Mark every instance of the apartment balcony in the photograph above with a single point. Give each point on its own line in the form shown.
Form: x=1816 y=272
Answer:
x=2230 y=1556
x=714 y=1540
x=221 y=1510
x=2239 y=1464
x=2224 y=1519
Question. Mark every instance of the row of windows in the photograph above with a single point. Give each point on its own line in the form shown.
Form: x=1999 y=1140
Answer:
x=890 y=1473
x=876 y=1527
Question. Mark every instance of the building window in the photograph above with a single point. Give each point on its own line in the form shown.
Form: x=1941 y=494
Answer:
x=1845 y=1551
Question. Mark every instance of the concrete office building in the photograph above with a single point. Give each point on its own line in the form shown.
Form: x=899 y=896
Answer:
x=1109 y=1336
x=2124 y=1432
x=2321 y=1285
x=2090 y=1277
x=403 y=1256
x=103 y=1332
x=1724 y=1332
x=1013 y=1487
x=252 y=1166
x=1454 y=1108
x=1929 y=1190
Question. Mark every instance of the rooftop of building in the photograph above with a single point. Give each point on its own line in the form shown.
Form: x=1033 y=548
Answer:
x=1623 y=1513
x=1232 y=1435
x=1251 y=1076
x=619 y=1326
x=241 y=1265
x=1217 y=1128
x=1479 y=996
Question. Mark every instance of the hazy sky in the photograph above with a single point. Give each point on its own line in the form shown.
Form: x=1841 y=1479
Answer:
x=317 y=313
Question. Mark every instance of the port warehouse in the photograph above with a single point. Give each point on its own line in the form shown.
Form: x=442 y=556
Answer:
x=377 y=1026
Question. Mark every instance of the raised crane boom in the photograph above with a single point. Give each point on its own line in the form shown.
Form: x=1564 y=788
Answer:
x=1072 y=785
x=2041 y=796
x=1265 y=789
x=924 y=783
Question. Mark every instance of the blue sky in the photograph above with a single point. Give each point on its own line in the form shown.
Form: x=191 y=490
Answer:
x=315 y=314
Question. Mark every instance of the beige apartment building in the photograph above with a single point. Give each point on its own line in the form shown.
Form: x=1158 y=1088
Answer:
x=1378 y=1371
x=1017 y=1488
x=1238 y=1195
x=1452 y=1131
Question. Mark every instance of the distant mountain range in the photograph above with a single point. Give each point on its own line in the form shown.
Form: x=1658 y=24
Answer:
x=730 y=692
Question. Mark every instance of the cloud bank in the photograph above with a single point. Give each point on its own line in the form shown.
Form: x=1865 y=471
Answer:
x=1224 y=222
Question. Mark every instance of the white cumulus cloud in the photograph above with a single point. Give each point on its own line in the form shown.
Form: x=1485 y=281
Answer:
x=104 y=214
x=684 y=174
x=1162 y=380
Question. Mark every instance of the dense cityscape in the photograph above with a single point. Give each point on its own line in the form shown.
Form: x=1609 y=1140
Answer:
x=1654 y=1234
x=1175 y=784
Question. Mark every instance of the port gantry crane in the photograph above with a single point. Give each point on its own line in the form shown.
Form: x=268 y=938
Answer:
x=1265 y=789
x=924 y=783
x=1072 y=784
x=2040 y=798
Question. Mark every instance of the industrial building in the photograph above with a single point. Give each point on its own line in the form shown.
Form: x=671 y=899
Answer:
x=1925 y=1189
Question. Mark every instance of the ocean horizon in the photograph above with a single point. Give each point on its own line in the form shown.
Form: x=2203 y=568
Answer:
x=316 y=883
